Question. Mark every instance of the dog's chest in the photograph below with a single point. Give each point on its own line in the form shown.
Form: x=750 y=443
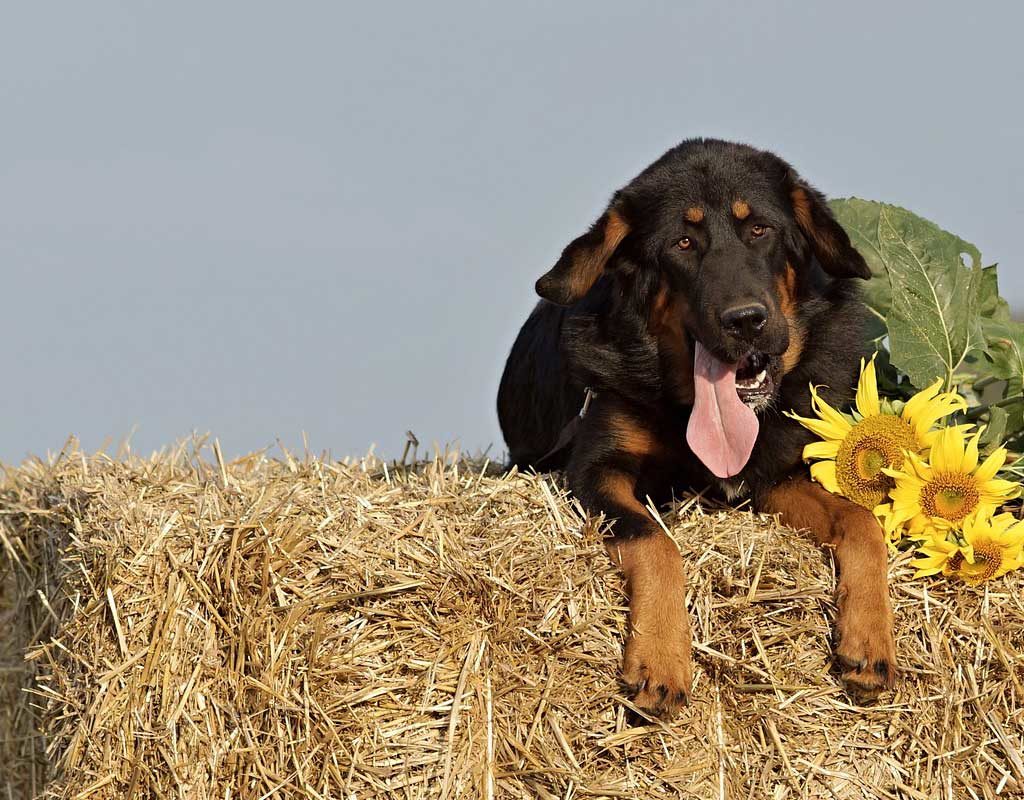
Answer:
x=733 y=489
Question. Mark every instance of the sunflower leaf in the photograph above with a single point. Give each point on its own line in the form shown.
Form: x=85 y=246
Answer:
x=928 y=296
x=934 y=321
x=995 y=429
x=938 y=313
x=990 y=305
x=860 y=219
x=1005 y=352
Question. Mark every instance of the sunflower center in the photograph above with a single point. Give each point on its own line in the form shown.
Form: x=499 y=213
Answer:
x=869 y=463
x=950 y=496
x=987 y=559
x=873 y=443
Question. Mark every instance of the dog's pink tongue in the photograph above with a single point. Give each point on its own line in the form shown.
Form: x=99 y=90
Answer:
x=722 y=427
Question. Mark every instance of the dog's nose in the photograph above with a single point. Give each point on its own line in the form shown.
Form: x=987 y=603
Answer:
x=745 y=321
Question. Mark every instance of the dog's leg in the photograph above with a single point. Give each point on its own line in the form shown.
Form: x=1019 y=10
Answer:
x=656 y=665
x=865 y=646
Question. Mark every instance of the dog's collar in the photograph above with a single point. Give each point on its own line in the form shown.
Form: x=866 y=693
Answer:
x=568 y=433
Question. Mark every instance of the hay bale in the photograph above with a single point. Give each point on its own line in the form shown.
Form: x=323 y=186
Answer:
x=305 y=628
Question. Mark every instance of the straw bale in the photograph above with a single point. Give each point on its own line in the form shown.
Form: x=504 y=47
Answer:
x=181 y=627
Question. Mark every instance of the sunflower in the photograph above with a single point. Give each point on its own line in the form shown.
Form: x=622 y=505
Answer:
x=937 y=495
x=936 y=554
x=855 y=451
x=993 y=546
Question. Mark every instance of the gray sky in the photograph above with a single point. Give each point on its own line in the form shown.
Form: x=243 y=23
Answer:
x=259 y=219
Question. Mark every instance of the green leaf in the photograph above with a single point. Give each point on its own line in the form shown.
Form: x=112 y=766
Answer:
x=938 y=314
x=995 y=315
x=995 y=429
x=1005 y=351
x=933 y=320
x=929 y=301
x=1015 y=414
x=860 y=219
x=990 y=305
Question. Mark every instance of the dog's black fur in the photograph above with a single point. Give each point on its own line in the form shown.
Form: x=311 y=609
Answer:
x=710 y=227
x=603 y=339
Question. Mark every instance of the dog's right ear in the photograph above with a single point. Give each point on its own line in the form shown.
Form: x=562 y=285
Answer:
x=828 y=240
x=584 y=260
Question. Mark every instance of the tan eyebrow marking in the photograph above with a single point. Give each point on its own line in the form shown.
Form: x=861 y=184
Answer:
x=695 y=214
x=740 y=209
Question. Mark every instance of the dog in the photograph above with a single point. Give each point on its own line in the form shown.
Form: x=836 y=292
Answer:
x=713 y=290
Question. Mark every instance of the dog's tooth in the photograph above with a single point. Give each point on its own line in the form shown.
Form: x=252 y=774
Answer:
x=761 y=376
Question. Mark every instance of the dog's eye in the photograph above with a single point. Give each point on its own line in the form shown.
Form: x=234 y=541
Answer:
x=757 y=231
x=686 y=243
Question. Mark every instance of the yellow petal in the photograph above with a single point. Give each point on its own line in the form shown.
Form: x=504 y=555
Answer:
x=930 y=559
x=947 y=452
x=920 y=400
x=893 y=526
x=920 y=525
x=929 y=438
x=996 y=491
x=824 y=472
x=1008 y=529
x=991 y=465
x=906 y=490
x=900 y=513
x=915 y=469
x=970 y=460
x=818 y=450
x=829 y=414
x=1000 y=523
x=883 y=513
x=821 y=428
x=927 y=407
x=867 y=390
x=926 y=567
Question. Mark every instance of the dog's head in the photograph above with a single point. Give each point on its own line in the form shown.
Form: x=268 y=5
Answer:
x=721 y=240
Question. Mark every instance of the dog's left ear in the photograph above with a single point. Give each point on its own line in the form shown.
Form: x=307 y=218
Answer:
x=823 y=232
x=584 y=259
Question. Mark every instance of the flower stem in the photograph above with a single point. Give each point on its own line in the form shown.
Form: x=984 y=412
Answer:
x=977 y=411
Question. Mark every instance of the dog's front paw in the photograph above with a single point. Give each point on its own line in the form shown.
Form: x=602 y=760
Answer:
x=866 y=649
x=657 y=666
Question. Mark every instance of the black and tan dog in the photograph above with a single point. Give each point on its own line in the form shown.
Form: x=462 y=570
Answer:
x=698 y=308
